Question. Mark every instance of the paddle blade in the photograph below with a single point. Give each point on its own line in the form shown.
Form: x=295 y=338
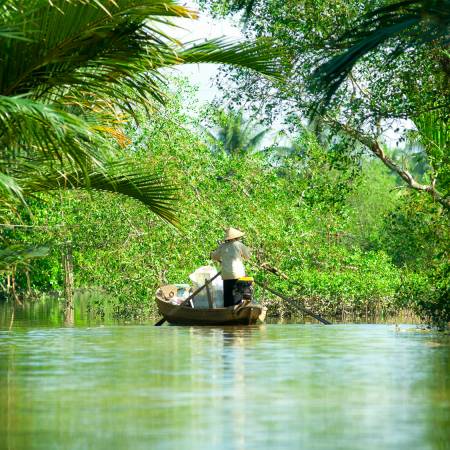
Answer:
x=160 y=322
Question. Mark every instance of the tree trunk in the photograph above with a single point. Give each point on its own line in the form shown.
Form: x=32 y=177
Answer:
x=8 y=283
x=13 y=287
x=11 y=322
x=27 y=275
x=67 y=262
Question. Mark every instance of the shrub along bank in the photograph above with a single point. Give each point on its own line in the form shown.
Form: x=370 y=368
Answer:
x=341 y=243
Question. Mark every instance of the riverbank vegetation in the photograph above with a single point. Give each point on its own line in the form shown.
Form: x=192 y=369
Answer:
x=338 y=238
x=336 y=217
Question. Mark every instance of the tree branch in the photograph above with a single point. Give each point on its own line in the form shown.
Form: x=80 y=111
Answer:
x=374 y=146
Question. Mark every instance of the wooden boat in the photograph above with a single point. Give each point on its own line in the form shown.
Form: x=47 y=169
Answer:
x=245 y=314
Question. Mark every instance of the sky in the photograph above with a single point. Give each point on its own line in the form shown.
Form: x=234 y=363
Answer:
x=205 y=27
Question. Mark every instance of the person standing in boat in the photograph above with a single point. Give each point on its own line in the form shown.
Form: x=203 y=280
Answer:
x=231 y=255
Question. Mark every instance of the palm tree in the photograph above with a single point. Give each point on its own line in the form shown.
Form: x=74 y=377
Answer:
x=69 y=67
x=235 y=135
x=71 y=71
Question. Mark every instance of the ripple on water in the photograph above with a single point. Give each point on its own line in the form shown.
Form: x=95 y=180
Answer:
x=268 y=387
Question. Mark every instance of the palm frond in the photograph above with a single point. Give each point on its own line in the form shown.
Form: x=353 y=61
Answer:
x=79 y=63
x=92 y=46
x=10 y=191
x=12 y=24
x=12 y=33
x=77 y=52
x=30 y=127
x=410 y=23
x=17 y=255
x=120 y=177
x=434 y=131
x=260 y=56
x=235 y=134
x=101 y=54
x=256 y=140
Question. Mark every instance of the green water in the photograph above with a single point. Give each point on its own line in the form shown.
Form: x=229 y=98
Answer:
x=263 y=387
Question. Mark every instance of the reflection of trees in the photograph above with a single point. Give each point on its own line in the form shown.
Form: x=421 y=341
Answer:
x=8 y=396
x=234 y=341
x=224 y=352
x=437 y=393
x=231 y=387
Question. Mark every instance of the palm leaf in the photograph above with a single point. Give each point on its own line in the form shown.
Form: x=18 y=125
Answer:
x=235 y=134
x=433 y=138
x=31 y=127
x=260 y=55
x=104 y=53
x=409 y=23
x=434 y=131
x=10 y=191
x=15 y=255
x=78 y=53
x=256 y=140
x=120 y=177
x=80 y=62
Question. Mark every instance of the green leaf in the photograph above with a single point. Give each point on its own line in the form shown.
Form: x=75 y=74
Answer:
x=21 y=255
x=118 y=177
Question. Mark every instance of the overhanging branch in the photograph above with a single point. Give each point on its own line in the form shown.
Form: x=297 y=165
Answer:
x=374 y=146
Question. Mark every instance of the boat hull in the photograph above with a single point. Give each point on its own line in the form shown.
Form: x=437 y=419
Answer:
x=182 y=315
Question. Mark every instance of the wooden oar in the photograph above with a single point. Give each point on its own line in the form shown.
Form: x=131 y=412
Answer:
x=160 y=322
x=294 y=303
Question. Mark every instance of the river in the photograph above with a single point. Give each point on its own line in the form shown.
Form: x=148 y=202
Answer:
x=275 y=386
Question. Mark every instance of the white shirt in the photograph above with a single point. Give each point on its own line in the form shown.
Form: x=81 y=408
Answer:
x=231 y=254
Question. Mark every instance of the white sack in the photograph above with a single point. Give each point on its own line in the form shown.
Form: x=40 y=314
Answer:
x=199 y=278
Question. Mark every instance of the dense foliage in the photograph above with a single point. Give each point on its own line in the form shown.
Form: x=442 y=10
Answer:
x=381 y=66
x=317 y=219
x=327 y=214
x=402 y=76
x=72 y=74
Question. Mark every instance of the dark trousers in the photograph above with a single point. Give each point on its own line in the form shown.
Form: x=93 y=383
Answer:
x=228 y=286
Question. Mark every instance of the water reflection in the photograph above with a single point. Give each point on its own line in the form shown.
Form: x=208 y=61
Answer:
x=236 y=343
x=263 y=387
x=221 y=353
x=50 y=312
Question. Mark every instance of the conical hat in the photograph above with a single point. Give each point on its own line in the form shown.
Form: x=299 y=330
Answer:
x=233 y=233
